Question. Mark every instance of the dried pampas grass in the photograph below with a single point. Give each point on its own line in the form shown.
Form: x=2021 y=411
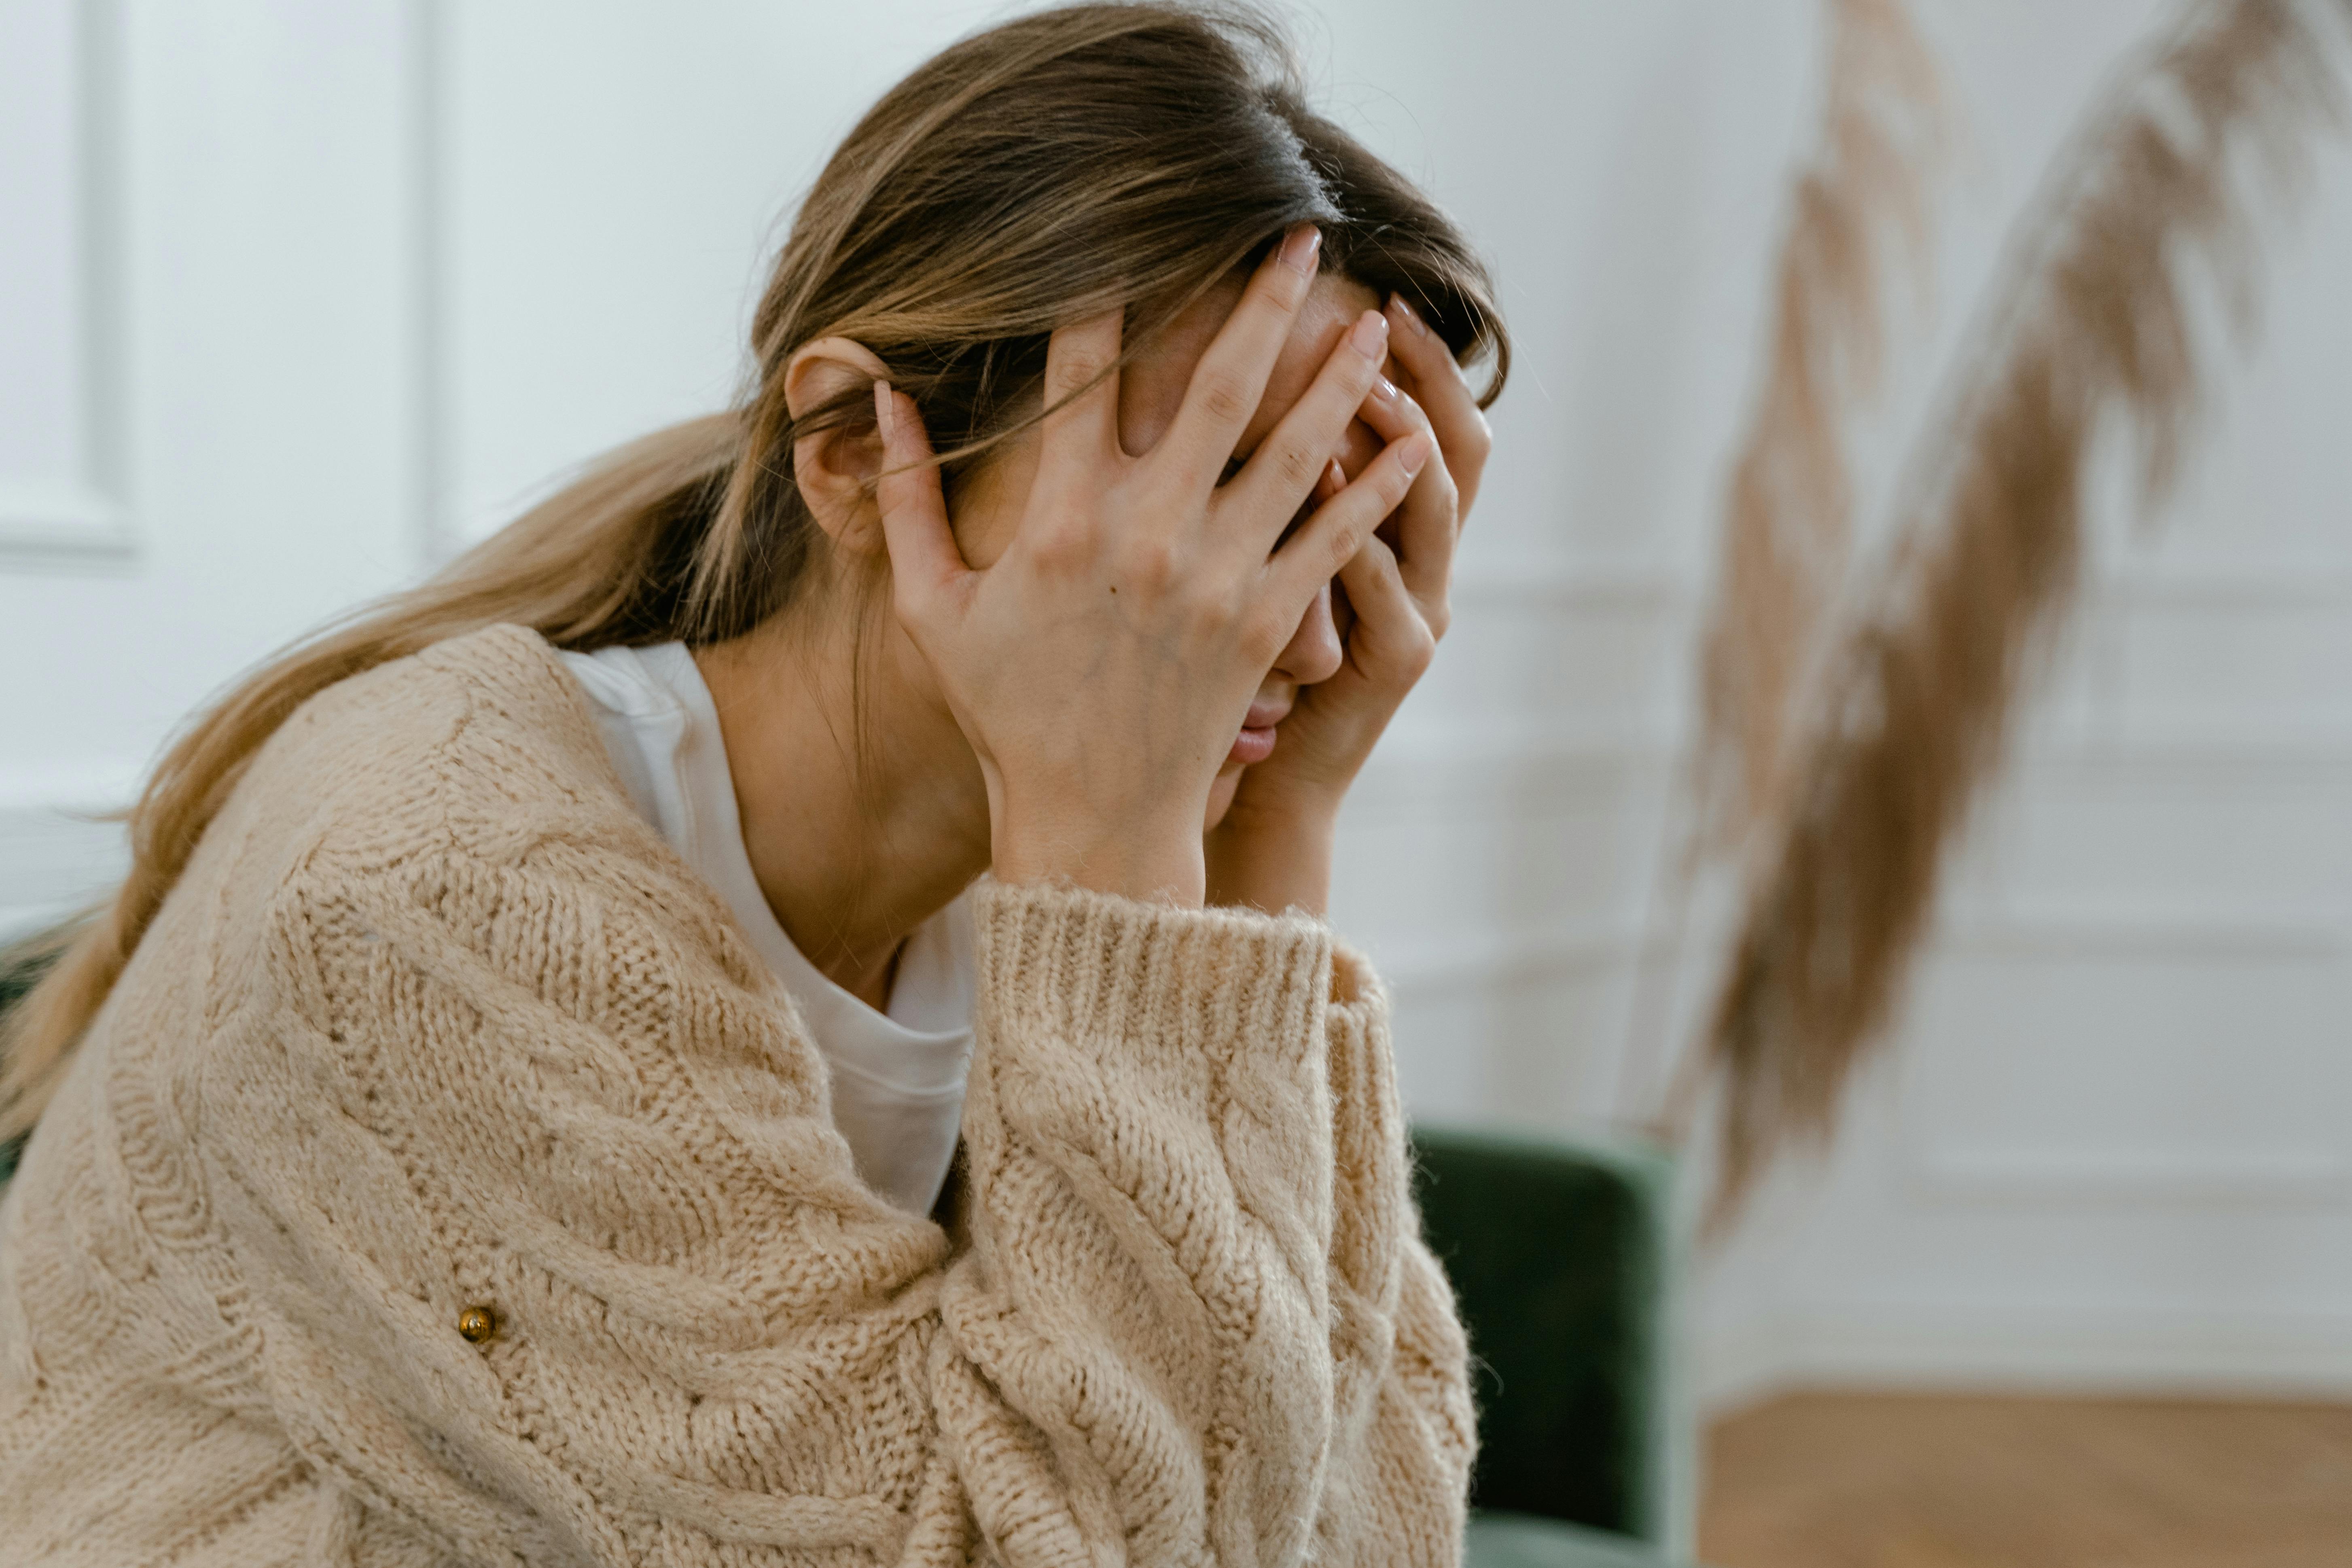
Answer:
x=1862 y=193
x=2092 y=329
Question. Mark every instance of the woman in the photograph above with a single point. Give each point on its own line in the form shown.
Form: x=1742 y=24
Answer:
x=713 y=1032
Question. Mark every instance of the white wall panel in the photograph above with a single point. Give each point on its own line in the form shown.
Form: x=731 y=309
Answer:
x=1540 y=647
x=255 y=298
x=61 y=332
x=2197 y=831
x=2169 y=1062
x=614 y=179
x=1508 y=1040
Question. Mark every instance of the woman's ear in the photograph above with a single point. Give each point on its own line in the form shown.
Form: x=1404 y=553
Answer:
x=835 y=468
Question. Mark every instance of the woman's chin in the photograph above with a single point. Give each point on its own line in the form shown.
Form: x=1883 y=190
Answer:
x=1221 y=793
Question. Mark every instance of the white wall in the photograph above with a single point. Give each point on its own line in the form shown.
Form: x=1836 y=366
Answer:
x=2110 y=1147
x=212 y=312
x=295 y=298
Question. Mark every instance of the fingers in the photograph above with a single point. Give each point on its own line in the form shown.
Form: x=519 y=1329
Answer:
x=1453 y=413
x=924 y=560
x=1230 y=377
x=1081 y=393
x=1429 y=522
x=1330 y=538
x=1390 y=638
x=1334 y=481
x=1282 y=472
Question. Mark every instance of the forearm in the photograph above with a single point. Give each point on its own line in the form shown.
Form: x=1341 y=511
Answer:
x=1148 y=1133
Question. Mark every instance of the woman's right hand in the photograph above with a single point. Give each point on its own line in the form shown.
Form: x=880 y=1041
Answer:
x=1102 y=666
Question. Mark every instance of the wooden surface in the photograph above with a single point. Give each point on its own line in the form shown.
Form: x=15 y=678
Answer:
x=1943 y=1482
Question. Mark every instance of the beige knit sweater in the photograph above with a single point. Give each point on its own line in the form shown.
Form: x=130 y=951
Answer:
x=438 y=1032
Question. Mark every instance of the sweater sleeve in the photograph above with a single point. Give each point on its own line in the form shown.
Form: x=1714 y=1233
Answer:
x=1190 y=1324
x=1404 y=1428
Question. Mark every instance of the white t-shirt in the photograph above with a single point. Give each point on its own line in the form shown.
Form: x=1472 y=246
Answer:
x=897 y=1078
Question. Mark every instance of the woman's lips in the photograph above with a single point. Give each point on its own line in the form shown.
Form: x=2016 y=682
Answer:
x=1256 y=742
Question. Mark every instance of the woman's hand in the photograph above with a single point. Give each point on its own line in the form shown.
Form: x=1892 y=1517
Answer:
x=1103 y=665
x=1273 y=849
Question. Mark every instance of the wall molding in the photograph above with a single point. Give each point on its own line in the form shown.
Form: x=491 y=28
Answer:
x=2250 y=1178
x=87 y=523
x=2169 y=934
x=1553 y=585
x=1552 y=582
x=1426 y=969
x=2322 y=754
x=1511 y=960
x=68 y=787
x=2114 y=1349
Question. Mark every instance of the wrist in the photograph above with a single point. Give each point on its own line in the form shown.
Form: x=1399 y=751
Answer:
x=1163 y=865
x=1265 y=808
x=1271 y=862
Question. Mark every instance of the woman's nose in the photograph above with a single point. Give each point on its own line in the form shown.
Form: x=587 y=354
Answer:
x=1312 y=654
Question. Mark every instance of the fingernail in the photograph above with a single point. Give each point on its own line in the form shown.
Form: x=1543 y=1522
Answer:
x=1406 y=313
x=1370 y=334
x=1298 y=248
x=885 y=416
x=1415 y=452
x=1384 y=389
x=1335 y=478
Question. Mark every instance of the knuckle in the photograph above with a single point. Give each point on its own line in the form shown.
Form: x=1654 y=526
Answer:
x=1296 y=468
x=908 y=601
x=1278 y=291
x=1223 y=397
x=1061 y=546
x=1075 y=369
x=1152 y=564
x=1448 y=498
x=1339 y=547
x=1478 y=438
x=1208 y=620
x=1262 y=637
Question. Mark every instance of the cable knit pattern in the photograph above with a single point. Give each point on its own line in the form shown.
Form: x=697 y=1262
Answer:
x=436 y=1022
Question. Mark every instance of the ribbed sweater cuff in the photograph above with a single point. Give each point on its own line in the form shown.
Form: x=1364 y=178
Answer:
x=1359 y=1002
x=1092 y=969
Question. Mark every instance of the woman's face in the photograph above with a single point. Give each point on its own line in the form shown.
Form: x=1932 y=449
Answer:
x=989 y=503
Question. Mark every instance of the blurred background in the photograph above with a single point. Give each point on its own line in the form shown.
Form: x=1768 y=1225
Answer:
x=298 y=299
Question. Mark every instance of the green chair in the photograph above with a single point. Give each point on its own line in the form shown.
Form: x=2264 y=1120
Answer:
x=1561 y=1254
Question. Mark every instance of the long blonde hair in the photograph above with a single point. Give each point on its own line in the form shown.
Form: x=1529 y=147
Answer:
x=1054 y=166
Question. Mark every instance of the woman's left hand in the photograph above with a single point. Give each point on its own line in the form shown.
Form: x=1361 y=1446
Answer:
x=1273 y=848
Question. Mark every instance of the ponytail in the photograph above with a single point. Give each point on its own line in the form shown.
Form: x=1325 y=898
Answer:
x=606 y=560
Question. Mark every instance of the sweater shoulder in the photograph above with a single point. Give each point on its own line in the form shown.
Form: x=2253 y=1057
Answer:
x=467 y=777
x=469 y=783
x=477 y=747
